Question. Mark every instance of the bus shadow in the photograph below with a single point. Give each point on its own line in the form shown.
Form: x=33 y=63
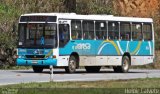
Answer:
x=77 y=72
x=101 y=72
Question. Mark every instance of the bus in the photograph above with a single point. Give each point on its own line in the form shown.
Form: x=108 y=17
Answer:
x=70 y=41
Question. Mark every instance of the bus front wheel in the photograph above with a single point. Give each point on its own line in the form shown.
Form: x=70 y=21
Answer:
x=37 y=69
x=124 y=67
x=71 y=65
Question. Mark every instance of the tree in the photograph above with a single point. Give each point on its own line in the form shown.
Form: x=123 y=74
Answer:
x=70 y=5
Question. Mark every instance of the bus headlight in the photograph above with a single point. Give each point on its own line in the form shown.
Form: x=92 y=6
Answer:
x=20 y=56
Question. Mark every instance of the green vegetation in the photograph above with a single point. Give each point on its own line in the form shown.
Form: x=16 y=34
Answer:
x=138 y=83
x=95 y=87
x=62 y=91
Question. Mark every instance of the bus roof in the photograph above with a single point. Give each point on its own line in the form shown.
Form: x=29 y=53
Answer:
x=92 y=17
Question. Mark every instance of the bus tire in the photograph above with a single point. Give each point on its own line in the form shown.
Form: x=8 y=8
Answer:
x=72 y=64
x=125 y=64
x=37 y=69
x=92 y=69
x=124 y=67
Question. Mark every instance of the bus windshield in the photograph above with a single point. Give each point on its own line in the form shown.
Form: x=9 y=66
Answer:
x=37 y=35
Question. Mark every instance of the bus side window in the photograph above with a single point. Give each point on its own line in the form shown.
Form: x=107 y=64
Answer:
x=88 y=30
x=147 y=31
x=101 y=30
x=76 y=31
x=113 y=31
x=125 y=31
x=137 y=31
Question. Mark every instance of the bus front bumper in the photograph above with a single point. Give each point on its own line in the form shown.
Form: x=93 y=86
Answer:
x=24 y=62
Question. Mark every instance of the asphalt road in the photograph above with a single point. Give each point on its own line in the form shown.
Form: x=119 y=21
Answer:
x=25 y=76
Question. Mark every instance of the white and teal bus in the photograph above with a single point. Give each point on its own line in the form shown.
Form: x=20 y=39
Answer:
x=69 y=40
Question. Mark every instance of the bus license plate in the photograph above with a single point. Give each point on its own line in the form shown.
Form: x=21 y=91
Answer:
x=34 y=62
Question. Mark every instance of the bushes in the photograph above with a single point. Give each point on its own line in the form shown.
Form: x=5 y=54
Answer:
x=94 y=7
x=8 y=38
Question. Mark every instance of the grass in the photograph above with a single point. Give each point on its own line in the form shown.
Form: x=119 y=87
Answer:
x=16 y=67
x=148 y=66
x=138 y=83
x=93 y=87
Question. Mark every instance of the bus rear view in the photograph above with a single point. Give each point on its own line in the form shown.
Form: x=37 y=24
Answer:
x=37 y=41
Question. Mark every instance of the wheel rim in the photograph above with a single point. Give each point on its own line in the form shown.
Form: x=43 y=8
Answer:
x=125 y=64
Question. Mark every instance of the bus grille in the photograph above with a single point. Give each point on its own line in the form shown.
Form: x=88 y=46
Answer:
x=35 y=56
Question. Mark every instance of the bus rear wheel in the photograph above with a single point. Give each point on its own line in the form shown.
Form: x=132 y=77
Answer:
x=124 y=67
x=37 y=69
x=71 y=65
x=92 y=69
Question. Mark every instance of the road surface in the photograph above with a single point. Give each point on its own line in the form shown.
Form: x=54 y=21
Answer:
x=25 y=76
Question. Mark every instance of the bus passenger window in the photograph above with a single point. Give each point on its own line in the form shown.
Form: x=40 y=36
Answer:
x=147 y=31
x=76 y=31
x=113 y=31
x=125 y=31
x=137 y=31
x=101 y=30
x=88 y=30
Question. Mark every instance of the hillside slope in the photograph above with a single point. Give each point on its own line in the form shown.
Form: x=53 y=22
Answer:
x=137 y=8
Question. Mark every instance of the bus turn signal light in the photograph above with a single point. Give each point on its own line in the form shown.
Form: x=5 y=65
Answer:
x=16 y=56
x=54 y=56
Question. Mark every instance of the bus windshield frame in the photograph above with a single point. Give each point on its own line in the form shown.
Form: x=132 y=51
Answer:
x=37 y=35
